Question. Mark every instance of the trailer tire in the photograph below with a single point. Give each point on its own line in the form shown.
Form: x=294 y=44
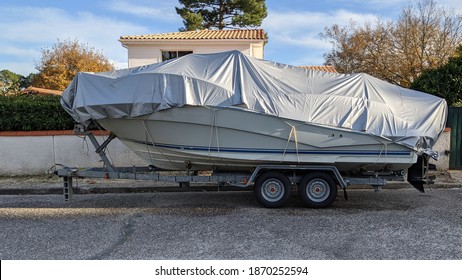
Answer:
x=317 y=190
x=272 y=189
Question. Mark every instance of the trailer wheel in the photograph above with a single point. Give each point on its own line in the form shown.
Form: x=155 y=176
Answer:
x=272 y=189
x=317 y=190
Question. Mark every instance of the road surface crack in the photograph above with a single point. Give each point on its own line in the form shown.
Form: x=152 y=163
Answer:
x=126 y=231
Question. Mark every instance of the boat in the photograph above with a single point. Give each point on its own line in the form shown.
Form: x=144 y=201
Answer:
x=229 y=111
x=211 y=138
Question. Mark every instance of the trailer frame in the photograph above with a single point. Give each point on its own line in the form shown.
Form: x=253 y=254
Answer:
x=239 y=179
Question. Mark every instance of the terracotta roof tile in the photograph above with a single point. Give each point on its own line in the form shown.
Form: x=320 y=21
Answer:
x=42 y=91
x=325 y=68
x=236 y=34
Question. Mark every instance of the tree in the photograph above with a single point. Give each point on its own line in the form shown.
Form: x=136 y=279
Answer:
x=10 y=82
x=220 y=14
x=444 y=81
x=423 y=37
x=59 y=65
x=26 y=81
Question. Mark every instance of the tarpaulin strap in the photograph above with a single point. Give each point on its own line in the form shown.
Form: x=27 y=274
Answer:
x=146 y=142
x=211 y=134
x=384 y=147
x=293 y=132
x=214 y=127
x=153 y=143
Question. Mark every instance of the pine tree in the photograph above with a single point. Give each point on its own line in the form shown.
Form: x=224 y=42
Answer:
x=220 y=14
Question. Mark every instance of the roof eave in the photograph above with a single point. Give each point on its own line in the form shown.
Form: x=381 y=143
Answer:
x=143 y=41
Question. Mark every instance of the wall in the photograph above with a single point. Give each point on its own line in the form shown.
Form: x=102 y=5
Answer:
x=35 y=154
x=31 y=153
x=443 y=147
x=151 y=52
x=142 y=55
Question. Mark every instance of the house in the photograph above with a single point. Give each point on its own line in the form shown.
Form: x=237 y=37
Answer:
x=153 y=48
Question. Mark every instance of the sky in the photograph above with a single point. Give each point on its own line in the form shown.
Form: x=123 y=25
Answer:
x=293 y=26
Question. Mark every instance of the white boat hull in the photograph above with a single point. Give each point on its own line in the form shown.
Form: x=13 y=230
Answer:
x=202 y=138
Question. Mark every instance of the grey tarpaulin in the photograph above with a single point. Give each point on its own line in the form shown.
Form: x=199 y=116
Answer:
x=358 y=102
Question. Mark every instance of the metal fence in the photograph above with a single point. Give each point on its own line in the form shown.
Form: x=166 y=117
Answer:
x=455 y=123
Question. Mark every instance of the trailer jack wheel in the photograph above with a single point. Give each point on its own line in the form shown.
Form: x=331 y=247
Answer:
x=272 y=189
x=317 y=190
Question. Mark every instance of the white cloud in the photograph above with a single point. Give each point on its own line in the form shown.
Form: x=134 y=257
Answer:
x=303 y=28
x=23 y=68
x=27 y=30
x=15 y=51
x=160 y=10
x=296 y=34
x=451 y=5
x=119 y=64
x=379 y=4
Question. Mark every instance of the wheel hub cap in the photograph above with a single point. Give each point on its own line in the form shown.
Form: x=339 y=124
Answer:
x=272 y=190
x=318 y=190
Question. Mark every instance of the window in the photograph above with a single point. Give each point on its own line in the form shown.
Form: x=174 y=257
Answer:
x=166 y=55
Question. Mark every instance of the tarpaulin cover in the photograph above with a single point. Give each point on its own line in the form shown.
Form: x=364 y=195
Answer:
x=358 y=102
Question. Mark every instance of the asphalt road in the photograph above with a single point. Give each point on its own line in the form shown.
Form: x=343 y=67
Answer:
x=391 y=224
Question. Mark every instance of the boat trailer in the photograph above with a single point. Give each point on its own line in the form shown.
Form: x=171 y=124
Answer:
x=272 y=184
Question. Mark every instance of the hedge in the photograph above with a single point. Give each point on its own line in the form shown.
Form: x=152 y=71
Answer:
x=33 y=112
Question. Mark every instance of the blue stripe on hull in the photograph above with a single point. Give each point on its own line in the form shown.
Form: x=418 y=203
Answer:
x=276 y=151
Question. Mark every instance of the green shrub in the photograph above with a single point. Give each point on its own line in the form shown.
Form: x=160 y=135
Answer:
x=33 y=112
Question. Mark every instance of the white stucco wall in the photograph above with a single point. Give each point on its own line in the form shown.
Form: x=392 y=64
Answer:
x=25 y=155
x=151 y=52
x=442 y=146
x=31 y=155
